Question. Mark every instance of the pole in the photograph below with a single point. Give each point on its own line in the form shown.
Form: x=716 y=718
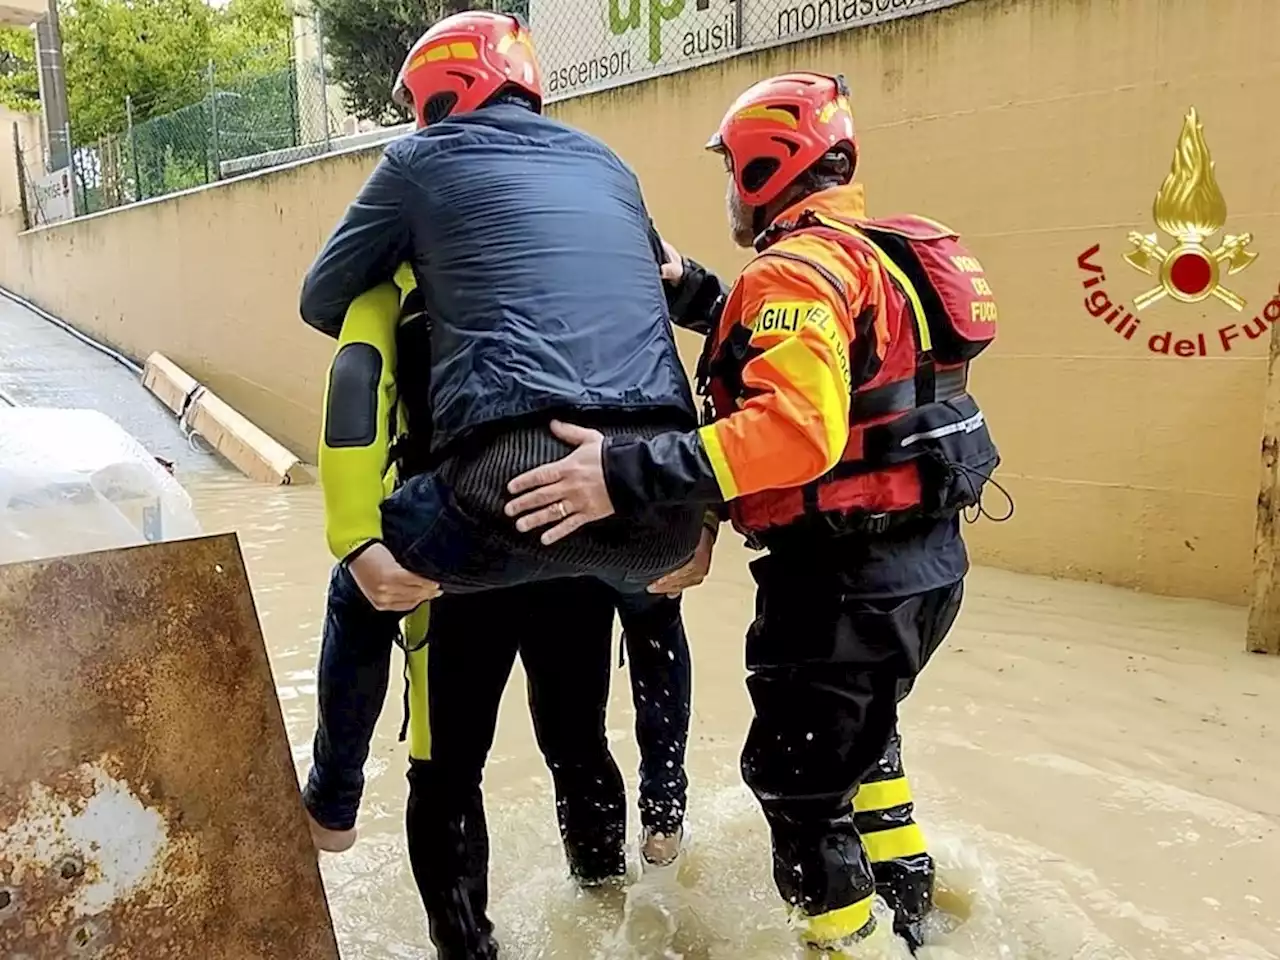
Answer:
x=213 y=121
x=133 y=149
x=739 y=22
x=71 y=162
x=324 y=83
x=293 y=86
x=53 y=89
x=1263 y=634
x=22 y=179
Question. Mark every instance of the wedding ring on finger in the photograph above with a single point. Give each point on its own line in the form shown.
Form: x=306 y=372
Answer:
x=564 y=510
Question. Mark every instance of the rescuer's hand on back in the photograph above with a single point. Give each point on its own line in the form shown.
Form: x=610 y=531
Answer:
x=568 y=493
x=692 y=573
x=386 y=584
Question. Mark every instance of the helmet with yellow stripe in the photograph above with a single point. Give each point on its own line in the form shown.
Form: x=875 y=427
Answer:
x=465 y=60
x=780 y=128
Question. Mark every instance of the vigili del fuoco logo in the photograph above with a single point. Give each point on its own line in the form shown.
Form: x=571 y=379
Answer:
x=1189 y=209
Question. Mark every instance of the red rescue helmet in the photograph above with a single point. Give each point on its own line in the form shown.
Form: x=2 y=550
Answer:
x=780 y=128
x=461 y=62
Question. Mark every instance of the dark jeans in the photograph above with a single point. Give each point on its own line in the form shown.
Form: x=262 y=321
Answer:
x=355 y=666
x=660 y=668
x=826 y=675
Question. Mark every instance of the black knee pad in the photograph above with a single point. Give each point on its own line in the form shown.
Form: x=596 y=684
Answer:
x=351 y=418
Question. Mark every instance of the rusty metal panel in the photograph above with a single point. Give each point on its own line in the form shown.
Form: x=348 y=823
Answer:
x=148 y=801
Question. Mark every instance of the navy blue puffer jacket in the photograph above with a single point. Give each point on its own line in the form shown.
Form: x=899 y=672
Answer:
x=537 y=261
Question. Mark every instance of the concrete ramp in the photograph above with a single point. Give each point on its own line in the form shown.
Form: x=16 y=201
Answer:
x=148 y=801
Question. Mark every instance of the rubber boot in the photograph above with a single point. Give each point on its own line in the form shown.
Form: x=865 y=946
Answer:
x=837 y=933
x=906 y=885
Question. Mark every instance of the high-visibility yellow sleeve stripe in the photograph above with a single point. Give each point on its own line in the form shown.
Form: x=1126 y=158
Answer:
x=415 y=633
x=812 y=377
x=885 y=845
x=828 y=929
x=719 y=462
x=917 y=307
x=884 y=795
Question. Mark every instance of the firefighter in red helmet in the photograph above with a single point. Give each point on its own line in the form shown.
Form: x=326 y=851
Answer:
x=447 y=73
x=844 y=440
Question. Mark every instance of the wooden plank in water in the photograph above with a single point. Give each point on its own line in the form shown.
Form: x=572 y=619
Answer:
x=148 y=802
x=248 y=447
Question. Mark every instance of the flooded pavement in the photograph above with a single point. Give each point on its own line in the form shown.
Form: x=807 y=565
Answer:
x=44 y=365
x=1097 y=771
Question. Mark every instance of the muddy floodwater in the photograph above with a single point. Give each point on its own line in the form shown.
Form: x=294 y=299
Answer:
x=1098 y=772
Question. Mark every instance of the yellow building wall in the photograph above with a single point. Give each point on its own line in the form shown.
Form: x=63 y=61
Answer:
x=1038 y=127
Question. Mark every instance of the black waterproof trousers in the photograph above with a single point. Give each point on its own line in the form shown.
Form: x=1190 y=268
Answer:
x=561 y=631
x=823 y=755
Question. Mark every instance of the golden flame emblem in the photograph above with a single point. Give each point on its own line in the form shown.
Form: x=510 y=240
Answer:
x=1190 y=208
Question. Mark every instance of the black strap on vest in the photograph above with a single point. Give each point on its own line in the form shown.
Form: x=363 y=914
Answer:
x=884 y=401
x=906 y=395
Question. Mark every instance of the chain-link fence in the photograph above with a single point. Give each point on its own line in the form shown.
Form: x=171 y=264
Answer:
x=240 y=115
x=589 y=45
x=248 y=122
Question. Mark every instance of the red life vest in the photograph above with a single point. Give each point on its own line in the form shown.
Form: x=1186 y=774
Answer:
x=918 y=444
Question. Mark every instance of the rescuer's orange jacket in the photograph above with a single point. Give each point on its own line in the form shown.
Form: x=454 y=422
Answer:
x=836 y=377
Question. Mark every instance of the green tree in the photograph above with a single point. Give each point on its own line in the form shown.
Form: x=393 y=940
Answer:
x=366 y=42
x=152 y=51
x=19 y=83
x=157 y=53
x=251 y=38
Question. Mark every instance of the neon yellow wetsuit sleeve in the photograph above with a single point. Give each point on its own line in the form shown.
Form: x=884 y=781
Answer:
x=359 y=411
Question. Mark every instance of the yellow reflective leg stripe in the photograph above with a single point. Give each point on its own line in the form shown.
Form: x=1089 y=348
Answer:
x=828 y=929
x=719 y=462
x=415 y=632
x=917 y=307
x=885 y=845
x=884 y=795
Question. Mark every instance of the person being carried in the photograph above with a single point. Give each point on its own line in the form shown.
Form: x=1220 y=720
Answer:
x=370 y=444
x=843 y=436
x=538 y=264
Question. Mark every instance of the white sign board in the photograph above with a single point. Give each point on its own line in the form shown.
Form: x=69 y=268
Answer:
x=588 y=45
x=54 y=199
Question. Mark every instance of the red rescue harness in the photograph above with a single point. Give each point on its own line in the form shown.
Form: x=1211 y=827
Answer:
x=918 y=443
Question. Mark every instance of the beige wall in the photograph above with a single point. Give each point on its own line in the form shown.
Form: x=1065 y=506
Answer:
x=30 y=134
x=21 y=13
x=1038 y=127
x=209 y=277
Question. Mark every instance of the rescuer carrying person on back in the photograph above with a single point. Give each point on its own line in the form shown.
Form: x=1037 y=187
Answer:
x=842 y=433
x=538 y=264
x=562 y=631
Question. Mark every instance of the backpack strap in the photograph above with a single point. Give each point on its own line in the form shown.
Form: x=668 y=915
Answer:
x=923 y=339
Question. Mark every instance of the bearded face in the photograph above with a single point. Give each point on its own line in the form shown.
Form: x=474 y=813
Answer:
x=741 y=216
